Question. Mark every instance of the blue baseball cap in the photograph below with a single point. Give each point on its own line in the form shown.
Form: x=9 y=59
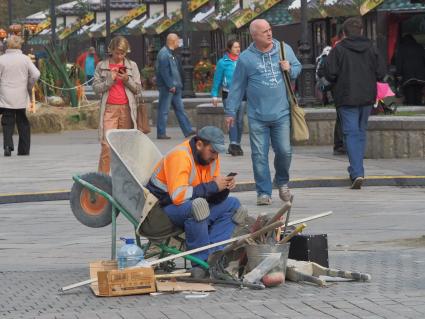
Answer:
x=213 y=135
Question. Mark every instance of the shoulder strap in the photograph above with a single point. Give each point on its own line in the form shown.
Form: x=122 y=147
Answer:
x=286 y=76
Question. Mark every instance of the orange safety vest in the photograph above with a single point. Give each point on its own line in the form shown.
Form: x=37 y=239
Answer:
x=177 y=173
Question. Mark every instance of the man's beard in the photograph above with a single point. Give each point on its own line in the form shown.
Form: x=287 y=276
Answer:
x=200 y=160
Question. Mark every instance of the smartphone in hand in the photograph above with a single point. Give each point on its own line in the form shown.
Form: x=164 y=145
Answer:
x=232 y=174
x=122 y=69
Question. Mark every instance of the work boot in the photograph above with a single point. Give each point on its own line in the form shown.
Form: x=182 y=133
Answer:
x=264 y=199
x=285 y=193
x=240 y=151
x=357 y=183
x=199 y=273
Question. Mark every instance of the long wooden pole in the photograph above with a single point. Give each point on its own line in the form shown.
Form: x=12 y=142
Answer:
x=302 y=220
x=224 y=242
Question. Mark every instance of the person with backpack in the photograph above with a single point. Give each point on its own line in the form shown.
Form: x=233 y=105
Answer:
x=325 y=87
x=322 y=85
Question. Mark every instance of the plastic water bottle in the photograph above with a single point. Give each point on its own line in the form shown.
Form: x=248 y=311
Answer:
x=130 y=254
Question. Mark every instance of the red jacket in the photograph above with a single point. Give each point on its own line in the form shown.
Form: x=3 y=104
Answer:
x=81 y=60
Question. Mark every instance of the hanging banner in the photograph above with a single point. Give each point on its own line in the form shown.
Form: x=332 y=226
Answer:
x=43 y=25
x=196 y=4
x=77 y=25
x=164 y=24
x=126 y=19
x=242 y=17
x=369 y=5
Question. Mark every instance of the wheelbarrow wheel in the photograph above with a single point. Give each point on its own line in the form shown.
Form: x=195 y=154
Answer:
x=90 y=208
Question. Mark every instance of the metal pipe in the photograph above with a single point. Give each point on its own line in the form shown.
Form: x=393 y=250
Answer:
x=108 y=21
x=10 y=11
x=53 y=21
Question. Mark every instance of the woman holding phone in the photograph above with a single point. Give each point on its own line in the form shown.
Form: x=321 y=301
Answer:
x=117 y=80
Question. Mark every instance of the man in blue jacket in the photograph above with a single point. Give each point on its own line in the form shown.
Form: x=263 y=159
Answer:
x=170 y=86
x=258 y=74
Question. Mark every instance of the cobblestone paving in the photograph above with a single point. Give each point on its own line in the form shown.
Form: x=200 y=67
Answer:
x=43 y=247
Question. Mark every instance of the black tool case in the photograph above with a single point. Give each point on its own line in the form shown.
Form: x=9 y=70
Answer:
x=310 y=247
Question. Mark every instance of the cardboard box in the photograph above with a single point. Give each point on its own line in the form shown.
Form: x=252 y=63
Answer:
x=114 y=282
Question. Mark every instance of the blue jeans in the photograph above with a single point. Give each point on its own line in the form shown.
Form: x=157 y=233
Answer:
x=217 y=227
x=260 y=135
x=236 y=131
x=354 y=124
x=165 y=99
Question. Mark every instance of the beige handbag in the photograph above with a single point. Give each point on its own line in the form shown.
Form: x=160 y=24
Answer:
x=299 y=128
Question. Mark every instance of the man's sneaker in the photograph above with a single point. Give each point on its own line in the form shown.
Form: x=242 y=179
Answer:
x=264 y=200
x=285 y=193
x=357 y=183
x=163 y=137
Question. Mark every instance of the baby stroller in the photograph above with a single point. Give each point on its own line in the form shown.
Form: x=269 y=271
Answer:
x=384 y=100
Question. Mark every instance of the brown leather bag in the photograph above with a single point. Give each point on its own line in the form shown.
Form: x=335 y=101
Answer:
x=143 y=117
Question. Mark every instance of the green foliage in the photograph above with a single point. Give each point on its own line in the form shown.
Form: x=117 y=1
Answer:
x=58 y=58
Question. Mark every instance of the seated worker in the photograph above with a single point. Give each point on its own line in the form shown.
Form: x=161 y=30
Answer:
x=194 y=195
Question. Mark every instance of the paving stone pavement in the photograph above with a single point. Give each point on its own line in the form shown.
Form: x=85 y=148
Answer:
x=56 y=157
x=377 y=230
x=43 y=247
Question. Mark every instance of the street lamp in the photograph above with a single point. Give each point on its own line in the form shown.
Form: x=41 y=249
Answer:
x=307 y=78
x=10 y=11
x=108 y=21
x=53 y=21
x=186 y=63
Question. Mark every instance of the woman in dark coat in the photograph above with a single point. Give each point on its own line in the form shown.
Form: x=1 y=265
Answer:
x=410 y=63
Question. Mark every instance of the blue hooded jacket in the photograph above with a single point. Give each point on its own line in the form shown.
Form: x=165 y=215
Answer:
x=259 y=76
x=167 y=69
x=223 y=75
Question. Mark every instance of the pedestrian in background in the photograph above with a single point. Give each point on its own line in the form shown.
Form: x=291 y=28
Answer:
x=117 y=79
x=223 y=79
x=410 y=65
x=17 y=77
x=354 y=67
x=170 y=87
x=259 y=76
x=87 y=62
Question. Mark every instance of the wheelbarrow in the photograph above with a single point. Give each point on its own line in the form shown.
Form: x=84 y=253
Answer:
x=97 y=199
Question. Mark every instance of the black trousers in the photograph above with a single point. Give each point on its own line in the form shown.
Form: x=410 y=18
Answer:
x=11 y=117
x=413 y=94
x=338 y=134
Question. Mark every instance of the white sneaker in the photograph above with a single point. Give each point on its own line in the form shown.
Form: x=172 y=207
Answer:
x=264 y=200
x=285 y=193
